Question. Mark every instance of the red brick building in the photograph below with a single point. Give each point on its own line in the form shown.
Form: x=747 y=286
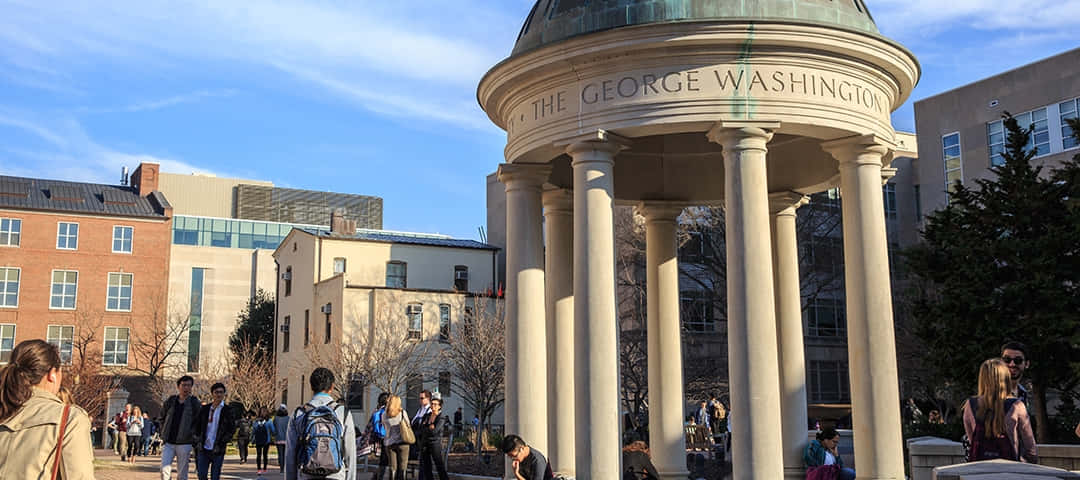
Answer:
x=81 y=260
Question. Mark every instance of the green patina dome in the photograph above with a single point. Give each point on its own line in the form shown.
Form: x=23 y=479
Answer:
x=553 y=20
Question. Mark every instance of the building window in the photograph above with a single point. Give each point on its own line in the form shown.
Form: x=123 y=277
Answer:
x=287 y=276
x=918 y=205
x=461 y=278
x=413 y=386
x=998 y=137
x=1069 y=109
x=696 y=249
x=198 y=276
x=307 y=327
x=414 y=312
x=62 y=336
x=829 y=382
x=825 y=318
x=67 y=236
x=10 y=232
x=285 y=333
x=7 y=342
x=444 y=323
x=119 y=299
x=826 y=255
x=444 y=384
x=116 y=346
x=65 y=284
x=954 y=164
x=888 y=194
x=697 y=310
x=326 y=339
x=121 y=239
x=396 y=274
x=355 y=395
x=9 y=287
x=339 y=265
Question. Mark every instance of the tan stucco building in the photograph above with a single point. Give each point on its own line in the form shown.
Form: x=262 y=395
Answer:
x=337 y=291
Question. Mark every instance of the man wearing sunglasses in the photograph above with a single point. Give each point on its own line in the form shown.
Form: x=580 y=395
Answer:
x=1014 y=354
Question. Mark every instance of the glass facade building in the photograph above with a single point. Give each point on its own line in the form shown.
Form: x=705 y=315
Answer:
x=232 y=233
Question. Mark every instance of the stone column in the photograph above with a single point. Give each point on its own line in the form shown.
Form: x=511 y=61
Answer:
x=789 y=331
x=875 y=396
x=559 y=262
x=526 y=323
x=752 y=353
x=666 y=400
x=596 y=330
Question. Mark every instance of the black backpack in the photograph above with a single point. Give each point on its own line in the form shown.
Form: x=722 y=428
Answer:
x=982 y=446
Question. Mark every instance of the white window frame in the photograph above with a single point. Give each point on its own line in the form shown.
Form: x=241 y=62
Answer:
x=75 y=301
x=130 y=297
x=105 y=352
x=67 y=235
x=14 y=333
x=3 y=287
x=59 y=341
x=1066 y=132
x=344 y=265
x=945 y=160
x=11 y=221
x=411 y=333
x=131 y=245
x=1041 y=152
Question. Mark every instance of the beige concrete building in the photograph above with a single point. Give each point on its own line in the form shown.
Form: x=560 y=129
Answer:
x=960 y=132
x=753 y=105
x=364 y=292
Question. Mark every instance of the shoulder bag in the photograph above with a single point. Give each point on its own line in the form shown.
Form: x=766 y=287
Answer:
x=60 y=442
x=407 y=435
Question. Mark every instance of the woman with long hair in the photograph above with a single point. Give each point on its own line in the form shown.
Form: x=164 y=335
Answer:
x=822 y=457
x=134 y=433
x=40 y=434
x=637 y=462
x=397 y=450
x=997 y=424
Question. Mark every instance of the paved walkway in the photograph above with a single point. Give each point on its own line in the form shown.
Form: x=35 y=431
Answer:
x=107 y=466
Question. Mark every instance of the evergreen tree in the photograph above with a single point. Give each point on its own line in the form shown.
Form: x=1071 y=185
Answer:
x=1002 y=262
x=255 y=326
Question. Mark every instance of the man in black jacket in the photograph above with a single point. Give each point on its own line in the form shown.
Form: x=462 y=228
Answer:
x=431 y=429
x=213 y=429
x=177 y=428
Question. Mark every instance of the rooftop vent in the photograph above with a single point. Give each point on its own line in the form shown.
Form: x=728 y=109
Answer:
x=117 y=197
x=16 y=189
x=64 y=193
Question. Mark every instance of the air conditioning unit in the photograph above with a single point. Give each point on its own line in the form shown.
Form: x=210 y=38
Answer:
x=461 y=275
x=286 y=276
x=327 y=309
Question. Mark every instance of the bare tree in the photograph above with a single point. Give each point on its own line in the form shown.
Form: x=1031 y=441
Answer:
x=86 y=379
x=632 y=307
x=158 y=342
x=476 y=355
x=252 y=376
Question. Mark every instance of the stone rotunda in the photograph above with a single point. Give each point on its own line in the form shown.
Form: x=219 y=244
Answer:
x=662 y=104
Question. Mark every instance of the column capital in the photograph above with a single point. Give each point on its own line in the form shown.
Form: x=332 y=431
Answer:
x=785 y=203
x=523 y=175
x=559 y=201
x=887 y=174
x=859 y=149
x=742 y=134
x=660 y=210
x=599 y=140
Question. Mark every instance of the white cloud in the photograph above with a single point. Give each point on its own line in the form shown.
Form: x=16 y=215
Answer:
x=913 y=16
x=158 y=104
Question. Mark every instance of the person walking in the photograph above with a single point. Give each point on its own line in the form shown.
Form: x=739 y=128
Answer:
x=997 y=423
x=243 y=435
x=177 y=429
x=119 y=422
x=304 y=452
x=262 y=434
x=148 y=431
x=214 y=429
x=110 y=430
x=39 y=434
x=397 y=449
x=432 y=427
x=134 y=433
x=281 y=429
x=378 y=433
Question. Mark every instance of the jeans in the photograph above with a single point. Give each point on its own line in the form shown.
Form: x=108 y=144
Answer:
x=206 y=460
x=280 y=457
x=399 y=460
x=242 y=448
x=134 y=443
x=846 y=474
x=183 y=456
x=262 y=456
x=145 y=445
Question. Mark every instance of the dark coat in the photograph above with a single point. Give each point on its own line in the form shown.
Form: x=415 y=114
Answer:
x=187 y=419
x=226 y=428
x=638 y=466
x=429 y=435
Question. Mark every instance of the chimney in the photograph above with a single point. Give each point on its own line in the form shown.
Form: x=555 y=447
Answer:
x=145 y=178
x=341 y=225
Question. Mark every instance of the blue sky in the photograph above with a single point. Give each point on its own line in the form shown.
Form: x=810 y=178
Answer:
x=362 y=96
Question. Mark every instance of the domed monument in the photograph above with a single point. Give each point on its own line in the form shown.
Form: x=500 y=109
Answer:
x=663 y=104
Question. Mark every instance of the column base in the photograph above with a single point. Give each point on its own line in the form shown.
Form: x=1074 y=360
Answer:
x=794 y=473
x=673 y=475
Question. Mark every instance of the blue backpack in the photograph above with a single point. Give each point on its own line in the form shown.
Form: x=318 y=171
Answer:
x=321 y=443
